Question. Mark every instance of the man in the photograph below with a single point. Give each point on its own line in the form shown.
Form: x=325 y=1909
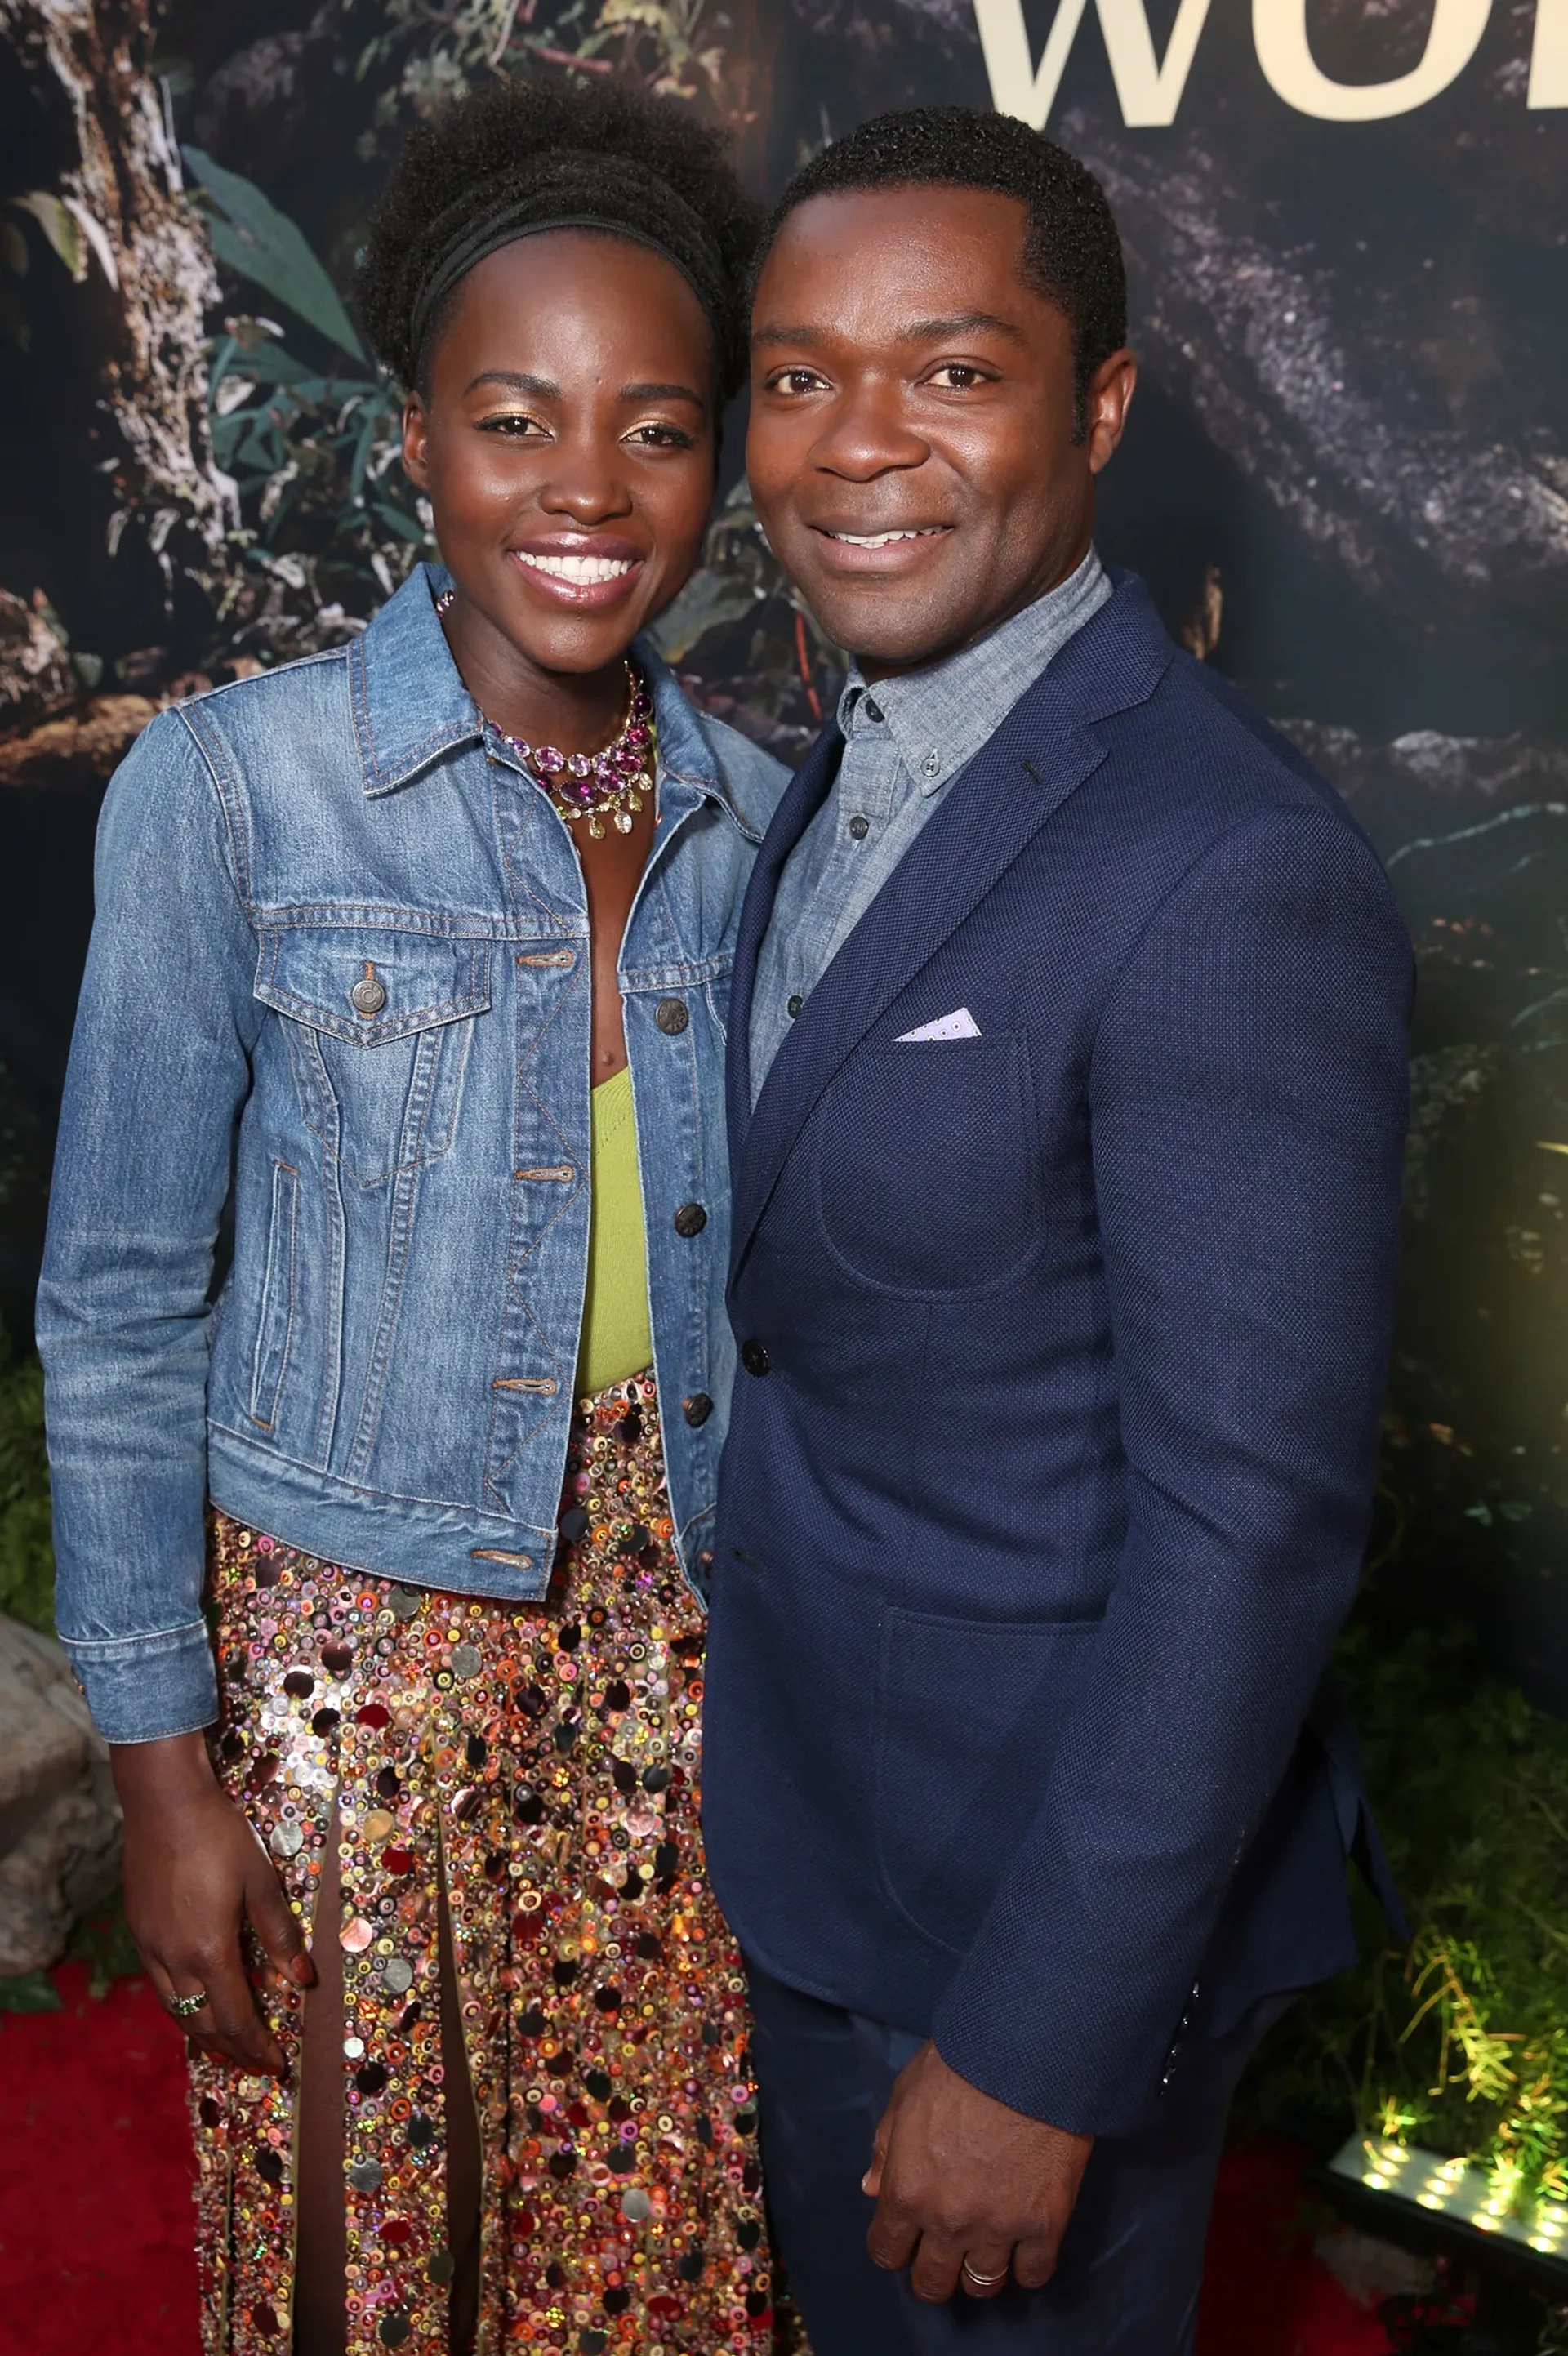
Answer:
x=1067 y=1100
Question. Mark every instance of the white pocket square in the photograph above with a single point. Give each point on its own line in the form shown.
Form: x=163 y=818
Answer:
x=960 y=1024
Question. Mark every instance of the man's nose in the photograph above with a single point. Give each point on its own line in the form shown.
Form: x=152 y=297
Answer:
x=866 y=434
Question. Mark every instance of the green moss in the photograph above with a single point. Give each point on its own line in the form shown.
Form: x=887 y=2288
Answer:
x=1462 y=2044
x=26 y=1554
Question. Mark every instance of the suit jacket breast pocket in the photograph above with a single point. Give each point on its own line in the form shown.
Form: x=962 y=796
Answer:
x=927 y=1164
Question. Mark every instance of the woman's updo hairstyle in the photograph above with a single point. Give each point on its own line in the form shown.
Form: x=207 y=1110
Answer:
x=518 y=157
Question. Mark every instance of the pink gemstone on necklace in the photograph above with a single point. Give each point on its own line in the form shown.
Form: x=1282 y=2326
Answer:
x=579 y=765
x=547 y=761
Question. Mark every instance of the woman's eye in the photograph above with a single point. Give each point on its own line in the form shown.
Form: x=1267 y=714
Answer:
x=511 y=423
x=658 y=434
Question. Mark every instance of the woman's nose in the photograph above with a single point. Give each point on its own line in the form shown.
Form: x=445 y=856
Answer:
x=587 y=483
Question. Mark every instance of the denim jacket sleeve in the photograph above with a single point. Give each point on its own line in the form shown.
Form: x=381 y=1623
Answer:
x=160 y=1067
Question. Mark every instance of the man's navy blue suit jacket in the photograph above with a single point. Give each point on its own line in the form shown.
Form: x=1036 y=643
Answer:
x=1047 y=1484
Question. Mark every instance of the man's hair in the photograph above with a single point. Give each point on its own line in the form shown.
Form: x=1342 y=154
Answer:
x=1072 y=252
x=602 y=155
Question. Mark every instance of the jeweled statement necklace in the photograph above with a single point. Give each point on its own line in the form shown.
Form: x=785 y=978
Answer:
x=594 y=785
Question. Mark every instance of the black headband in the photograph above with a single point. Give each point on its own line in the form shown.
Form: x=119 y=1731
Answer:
x=573 y=189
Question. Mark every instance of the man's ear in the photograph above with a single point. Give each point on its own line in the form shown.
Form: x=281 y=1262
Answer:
x=415 y=442
x=1108 y=396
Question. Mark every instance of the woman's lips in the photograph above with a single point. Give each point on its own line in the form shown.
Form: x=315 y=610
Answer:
x=584 y=579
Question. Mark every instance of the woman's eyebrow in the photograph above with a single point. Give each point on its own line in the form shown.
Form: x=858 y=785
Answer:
x=542 y=387
x=663 y=392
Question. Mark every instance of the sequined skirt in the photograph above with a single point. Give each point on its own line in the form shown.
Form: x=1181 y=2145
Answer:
x=542 y=1762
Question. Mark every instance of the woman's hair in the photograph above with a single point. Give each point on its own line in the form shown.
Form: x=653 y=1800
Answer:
x=518 y=157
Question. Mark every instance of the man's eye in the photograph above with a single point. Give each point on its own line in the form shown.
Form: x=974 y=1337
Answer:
x=797 y=381
x=955 y=377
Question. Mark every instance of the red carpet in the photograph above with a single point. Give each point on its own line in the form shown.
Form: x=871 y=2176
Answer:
x=95 y=2213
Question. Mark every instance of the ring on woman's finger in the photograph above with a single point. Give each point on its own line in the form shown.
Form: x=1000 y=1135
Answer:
x=972 y=2275
x=186 y=2007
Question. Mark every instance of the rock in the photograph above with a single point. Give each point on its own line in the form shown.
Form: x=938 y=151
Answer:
x=36 y=676
x=59 y=1822
x=77 y=747
x=1329 y=395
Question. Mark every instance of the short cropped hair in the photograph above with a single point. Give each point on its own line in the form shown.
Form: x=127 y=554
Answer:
x=1072 y=252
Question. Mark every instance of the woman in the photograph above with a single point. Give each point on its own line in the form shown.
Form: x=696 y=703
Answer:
x=417 y=953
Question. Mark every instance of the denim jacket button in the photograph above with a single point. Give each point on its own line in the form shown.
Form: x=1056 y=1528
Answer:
x=691 y=1219
x=672 y=1015
x=368 y=995
x=697 y=1408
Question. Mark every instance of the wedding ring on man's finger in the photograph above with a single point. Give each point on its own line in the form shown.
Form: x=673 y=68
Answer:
x=978 y=2281
x=186 y=2007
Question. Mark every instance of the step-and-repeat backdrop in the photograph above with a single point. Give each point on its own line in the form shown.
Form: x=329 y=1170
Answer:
x=1347 y=480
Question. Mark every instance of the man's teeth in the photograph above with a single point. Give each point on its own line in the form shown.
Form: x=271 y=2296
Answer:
x=581 y=569
x=881 y=539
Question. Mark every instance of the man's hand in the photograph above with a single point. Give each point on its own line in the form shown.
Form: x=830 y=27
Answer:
x=195 y=1874
x=966 y=2188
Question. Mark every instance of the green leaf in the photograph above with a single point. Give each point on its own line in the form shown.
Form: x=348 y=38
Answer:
x=264 y=245
x=709 y=598
x=29 y=1992
x=58 y=225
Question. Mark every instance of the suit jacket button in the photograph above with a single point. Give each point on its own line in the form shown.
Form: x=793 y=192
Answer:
x=697 y=1408
x=754 y=1358
x=691 y=1219
x=671 y=1016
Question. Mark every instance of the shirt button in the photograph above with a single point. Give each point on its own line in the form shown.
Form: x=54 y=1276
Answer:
x=872 y=711
x=932 y=765
x=754 y=1358
x=859 y=826
x=671 y=1016
x=793 y=1004
x=697 y=1408
x=691 y=1219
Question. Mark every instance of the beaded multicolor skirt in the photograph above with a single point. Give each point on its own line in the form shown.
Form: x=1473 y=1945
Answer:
x=541 y=1763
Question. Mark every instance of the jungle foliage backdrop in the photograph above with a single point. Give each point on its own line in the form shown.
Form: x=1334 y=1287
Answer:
x=1347 y=480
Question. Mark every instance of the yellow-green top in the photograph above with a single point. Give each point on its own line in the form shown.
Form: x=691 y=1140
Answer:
x=617 y=1341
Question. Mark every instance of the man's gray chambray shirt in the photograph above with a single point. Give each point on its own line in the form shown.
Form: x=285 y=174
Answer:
x=904 y=742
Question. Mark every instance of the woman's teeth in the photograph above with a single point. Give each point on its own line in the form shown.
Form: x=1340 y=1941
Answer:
x=881 y=539
x=584 y=570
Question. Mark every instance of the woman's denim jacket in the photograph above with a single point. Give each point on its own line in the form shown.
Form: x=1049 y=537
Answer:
x=340 y=975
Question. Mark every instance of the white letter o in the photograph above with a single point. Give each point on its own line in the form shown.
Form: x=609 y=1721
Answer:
x=1279 y=35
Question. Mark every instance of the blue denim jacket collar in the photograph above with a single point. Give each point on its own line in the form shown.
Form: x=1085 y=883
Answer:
x=411 y=706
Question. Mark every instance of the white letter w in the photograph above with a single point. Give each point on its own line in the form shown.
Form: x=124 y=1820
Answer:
x=1150 y=91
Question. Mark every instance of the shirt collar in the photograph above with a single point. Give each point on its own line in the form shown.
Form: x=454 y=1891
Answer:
x=938 y=718
x=411 y=705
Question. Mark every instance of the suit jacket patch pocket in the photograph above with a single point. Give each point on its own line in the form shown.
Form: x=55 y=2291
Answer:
x=967 y=1713
x=927 y=1164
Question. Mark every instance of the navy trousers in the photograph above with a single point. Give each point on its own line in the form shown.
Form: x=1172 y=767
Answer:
x=1132 y=2261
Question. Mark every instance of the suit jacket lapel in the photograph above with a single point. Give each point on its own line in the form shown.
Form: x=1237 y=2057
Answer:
x=802 y=798
x=1041 y=754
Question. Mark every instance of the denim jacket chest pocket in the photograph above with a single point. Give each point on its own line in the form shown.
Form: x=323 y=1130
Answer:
x=379 y=1023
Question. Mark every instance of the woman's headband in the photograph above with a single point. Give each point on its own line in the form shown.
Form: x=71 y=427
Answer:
x=573 y=189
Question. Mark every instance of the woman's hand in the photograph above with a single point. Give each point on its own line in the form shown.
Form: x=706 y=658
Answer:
x=194 y=1873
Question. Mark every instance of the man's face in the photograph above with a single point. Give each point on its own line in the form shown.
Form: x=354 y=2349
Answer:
x=908 y=381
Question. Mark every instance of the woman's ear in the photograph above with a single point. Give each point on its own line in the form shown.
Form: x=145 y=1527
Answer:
x=415 y=442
